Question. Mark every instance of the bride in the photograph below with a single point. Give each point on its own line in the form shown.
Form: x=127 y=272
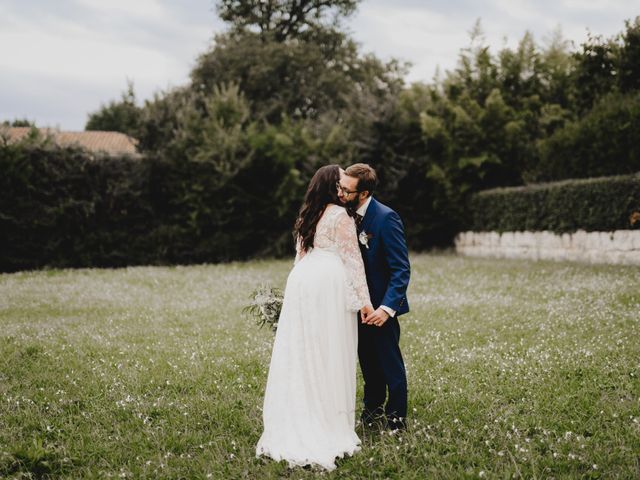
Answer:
x=309 y=403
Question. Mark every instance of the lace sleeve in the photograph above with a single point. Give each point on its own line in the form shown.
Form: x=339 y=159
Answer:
x=300 y=253
x=347 y=243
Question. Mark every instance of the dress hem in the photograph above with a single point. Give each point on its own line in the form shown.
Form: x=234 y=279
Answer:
x=300 y=462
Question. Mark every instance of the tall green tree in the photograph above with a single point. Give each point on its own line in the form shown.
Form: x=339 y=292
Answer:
x=628 y=62
x=600 y=135
x=19 y=122
x=118 y=116
x=318 y=72
x=283 y=20
x=283 y=91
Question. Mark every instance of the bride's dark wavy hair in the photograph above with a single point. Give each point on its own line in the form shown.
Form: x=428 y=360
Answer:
x=321 y=192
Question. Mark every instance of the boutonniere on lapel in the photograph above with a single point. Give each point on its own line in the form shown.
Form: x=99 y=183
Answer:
x=364 y=238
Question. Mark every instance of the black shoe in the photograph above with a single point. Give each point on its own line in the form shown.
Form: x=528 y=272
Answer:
x=394 y=422
x=374 y=419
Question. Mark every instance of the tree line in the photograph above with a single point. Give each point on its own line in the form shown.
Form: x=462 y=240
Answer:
x=286 y=89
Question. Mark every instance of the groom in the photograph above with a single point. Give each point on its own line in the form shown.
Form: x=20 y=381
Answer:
x=386 y=262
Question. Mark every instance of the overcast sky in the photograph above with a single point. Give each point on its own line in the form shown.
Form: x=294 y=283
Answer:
x=61 y=60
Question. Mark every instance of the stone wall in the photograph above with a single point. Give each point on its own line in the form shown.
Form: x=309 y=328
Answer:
x=618 y=247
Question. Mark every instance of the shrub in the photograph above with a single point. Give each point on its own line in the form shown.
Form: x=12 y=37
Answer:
x=63 y=207
x=597 y=204
x=606 y=141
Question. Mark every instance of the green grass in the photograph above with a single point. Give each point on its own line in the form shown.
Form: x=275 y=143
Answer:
x=516 y=369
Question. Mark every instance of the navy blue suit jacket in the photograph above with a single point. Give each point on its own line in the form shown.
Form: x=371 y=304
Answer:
x=386 y=261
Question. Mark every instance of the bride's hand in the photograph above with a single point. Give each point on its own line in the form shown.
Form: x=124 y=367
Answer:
x=365 y=312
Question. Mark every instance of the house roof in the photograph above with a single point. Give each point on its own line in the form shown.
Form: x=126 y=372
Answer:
x=113 y=143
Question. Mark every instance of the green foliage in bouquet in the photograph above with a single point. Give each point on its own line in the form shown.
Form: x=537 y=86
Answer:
x=265 y=306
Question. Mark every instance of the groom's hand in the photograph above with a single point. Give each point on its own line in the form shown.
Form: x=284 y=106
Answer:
x=377 y=318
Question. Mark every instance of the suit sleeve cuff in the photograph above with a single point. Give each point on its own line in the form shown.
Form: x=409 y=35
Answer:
x=390 y=311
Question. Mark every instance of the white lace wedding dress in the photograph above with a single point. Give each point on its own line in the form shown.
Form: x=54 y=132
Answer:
x=310 y=399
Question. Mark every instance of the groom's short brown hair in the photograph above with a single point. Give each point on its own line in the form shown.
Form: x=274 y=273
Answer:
x=366 y=175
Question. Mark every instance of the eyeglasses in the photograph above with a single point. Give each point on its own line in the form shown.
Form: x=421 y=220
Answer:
x=344 y=191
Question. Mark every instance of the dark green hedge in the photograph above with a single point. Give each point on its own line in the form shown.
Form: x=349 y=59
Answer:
x=597 y=204
x=63 y=207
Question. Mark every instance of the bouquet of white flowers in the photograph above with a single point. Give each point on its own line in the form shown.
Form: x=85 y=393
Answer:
x=265 y=306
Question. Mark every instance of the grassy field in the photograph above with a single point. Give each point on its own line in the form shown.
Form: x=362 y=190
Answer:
x=516 y=369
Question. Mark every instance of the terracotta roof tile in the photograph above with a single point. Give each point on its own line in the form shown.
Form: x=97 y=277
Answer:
x=113 y=143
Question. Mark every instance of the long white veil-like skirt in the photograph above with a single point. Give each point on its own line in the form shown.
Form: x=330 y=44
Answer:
x=309 y=404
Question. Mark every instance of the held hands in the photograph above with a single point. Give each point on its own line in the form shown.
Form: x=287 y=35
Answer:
x=371 y=317
x=365 y=312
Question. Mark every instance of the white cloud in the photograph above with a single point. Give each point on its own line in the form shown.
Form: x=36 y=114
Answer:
x=96 y=53
x=522 y=11
x=80 y=56
x=61 y=60
x=142 y=9
x=619 y=6
x=425 y=38
x=431 y=34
